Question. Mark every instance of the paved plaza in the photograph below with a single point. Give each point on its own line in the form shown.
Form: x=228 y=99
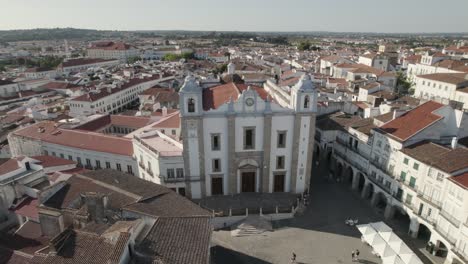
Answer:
x=318 y=236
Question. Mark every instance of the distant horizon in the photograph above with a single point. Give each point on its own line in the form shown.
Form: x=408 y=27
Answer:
x=237 y=31
x=363 y=16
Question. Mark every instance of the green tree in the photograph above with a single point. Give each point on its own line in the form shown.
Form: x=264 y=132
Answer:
x=133 y=59
x=303 y=45
x=404 y=86
x=170 y=57
x=49 y=61
x=188 y=55
x=220 y=69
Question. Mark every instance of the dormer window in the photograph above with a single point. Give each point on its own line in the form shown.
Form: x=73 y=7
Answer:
x=306 y=102
x=191 y=105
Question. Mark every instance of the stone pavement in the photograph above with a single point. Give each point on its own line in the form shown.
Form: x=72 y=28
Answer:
x=319 y=235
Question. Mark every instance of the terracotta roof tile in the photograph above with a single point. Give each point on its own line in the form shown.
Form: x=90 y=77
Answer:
x=96 y=95
x=452 y=78
x=171 y=121
x=9 y=166
x=178 y=240
x=28 y=208
x=411 y=122
x=462 y=180
x=51 y=161
x=77 y=139
x=214 y=97
x=443 y=158
x=83 y=61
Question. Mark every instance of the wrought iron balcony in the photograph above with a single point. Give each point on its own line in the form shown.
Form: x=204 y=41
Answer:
x=446 y=235
x=429 y=200
x=450 y=218
x=380 y=184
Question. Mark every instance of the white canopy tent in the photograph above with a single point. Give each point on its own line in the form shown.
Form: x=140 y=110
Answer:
x=392 y=260
x=374 y=239
x=384 y=250
x=387 y=244
x=400 y=247
x=410 y=259
x=366 y=229
x=381 y=227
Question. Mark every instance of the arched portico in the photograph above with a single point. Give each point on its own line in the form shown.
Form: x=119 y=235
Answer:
x=379 y=200
x=368 y=191
x=349 y=176
x=338 y=170
x=361 y=182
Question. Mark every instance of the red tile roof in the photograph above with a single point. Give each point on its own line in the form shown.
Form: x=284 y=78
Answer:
x=77 y=139
x=214 y=97
x=413 y=121
x=94 y=96
x=130 y=121
x=9 y=166
x=452 y=78
x=462 y=180
x=60 y=85
x=171 y=121
x=109 y=45
x=28 y=208
x=51 y=161
x=82 y=61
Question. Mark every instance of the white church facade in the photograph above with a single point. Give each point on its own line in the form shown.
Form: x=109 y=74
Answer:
x=237 y=138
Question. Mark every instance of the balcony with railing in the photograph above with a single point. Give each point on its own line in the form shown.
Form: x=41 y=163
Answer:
x=382 y=167
x=384 y=187
x=408 y=184
x=445 y=235
x=429 y=200
x=460 y=254
x=450 y=218
x=350 y=156
x=353 y=149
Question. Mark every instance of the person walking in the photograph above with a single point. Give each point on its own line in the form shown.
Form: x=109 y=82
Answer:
x=357 y=254
x=352 y=256
x=293 y=259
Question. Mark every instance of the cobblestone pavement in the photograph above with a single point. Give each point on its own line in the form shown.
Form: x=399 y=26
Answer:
x=318 y=236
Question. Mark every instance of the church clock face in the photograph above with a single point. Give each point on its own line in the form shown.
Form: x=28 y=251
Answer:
x=249 y=101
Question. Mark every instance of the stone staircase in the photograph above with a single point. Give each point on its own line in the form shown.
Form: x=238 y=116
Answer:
x=251 y=226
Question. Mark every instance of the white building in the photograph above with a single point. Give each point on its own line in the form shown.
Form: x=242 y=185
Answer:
x=112 y=100
x=236 y=138
x=8 y=88
x=400 y=171
x=441 y=86
x=374 y=60
x=88 y=149
x=112 y=50
x=77 y=65
x=37 y=73
x=327 y=62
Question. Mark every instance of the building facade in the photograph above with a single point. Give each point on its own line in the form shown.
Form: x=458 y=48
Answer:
x=237 y=139
x=413 y=172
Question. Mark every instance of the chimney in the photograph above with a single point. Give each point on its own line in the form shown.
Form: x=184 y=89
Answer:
x=57 y=242
x=397 y=113
x=454 y=143
x=96 y=205
x=164 y=111
x=109 y=89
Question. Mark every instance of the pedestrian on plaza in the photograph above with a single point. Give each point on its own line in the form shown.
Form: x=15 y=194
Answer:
x=293 y=259
x=352 y=256
x=357 y=255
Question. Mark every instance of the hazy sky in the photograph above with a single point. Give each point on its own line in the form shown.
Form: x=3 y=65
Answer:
x=241 y=15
